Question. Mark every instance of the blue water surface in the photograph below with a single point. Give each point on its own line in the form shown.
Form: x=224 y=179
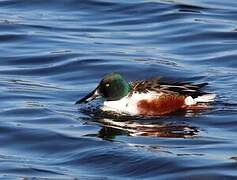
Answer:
x=54 y=52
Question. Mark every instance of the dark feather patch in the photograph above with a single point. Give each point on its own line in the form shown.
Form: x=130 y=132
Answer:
x=176 y=88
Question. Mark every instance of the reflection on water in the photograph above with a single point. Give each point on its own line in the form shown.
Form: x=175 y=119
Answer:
x=114 y=124
x=112 y=129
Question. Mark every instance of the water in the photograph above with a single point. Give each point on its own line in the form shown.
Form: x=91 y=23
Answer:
x=54 y=52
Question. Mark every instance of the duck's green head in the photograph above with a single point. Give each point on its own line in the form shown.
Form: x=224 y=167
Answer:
x=112 y=87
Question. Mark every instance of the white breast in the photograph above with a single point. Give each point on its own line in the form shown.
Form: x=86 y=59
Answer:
x=128 y=104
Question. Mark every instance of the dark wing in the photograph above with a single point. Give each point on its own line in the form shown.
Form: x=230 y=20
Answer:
x=143 y=86
x=186 y=89
x=177 y=88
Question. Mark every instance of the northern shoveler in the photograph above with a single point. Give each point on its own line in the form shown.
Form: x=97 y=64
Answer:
x=148 y=97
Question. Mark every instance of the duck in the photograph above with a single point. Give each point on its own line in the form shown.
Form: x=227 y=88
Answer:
x=151 y=97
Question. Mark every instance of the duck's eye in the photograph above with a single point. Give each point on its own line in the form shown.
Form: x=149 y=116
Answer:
x=107 y=85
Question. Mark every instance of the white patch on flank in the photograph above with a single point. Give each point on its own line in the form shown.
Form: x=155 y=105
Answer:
x=128 y=104
x=189 y=101
x=206 y=98
x=200 y=99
